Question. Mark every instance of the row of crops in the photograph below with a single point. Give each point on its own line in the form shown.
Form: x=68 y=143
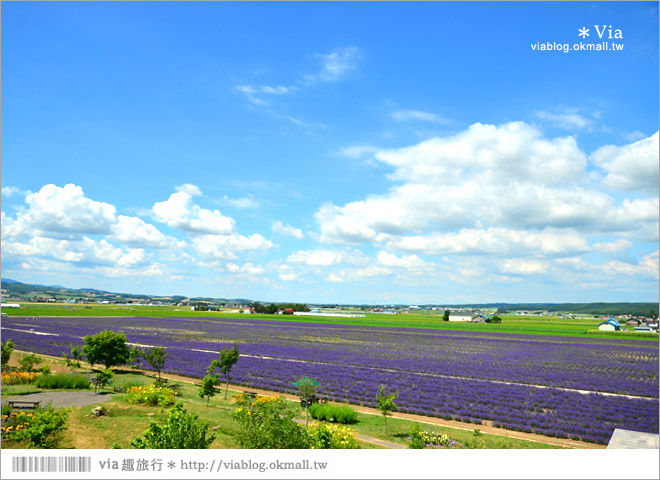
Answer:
x=520 y=382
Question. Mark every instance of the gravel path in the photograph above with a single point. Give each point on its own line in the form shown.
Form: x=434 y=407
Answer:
x=62 y=399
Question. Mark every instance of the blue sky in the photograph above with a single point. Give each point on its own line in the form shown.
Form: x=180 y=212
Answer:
x=332 y=152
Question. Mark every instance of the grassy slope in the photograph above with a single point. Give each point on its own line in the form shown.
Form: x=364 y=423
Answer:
x=511 y=323
x=125 y=421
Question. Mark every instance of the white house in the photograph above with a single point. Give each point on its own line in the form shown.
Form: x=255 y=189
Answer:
x=460 y=317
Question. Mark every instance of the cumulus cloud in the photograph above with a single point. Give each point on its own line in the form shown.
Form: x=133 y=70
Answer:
x=180 y=212
x=229 y=247
x=64 y=211
x=507 y=177
x=135 y=232
x=286 y=229
x=630 y=167
x=190 y=189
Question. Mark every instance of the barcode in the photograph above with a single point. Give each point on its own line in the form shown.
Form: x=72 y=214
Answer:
x=51 y=464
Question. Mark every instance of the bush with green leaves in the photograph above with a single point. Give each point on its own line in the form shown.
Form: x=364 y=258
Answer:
x=62 y=381
x=323 y=435
x=423 y=439
x=29 y=361
x=181 y=430
x=333 y=413
x=267 y=422
x=5 y=349
x=42 y=429
x=151 y=395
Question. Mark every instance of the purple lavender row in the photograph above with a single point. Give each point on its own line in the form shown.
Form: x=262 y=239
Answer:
x=591 y=366
x=546 y=411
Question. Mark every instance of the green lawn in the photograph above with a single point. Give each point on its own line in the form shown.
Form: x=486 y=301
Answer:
x=530 y=325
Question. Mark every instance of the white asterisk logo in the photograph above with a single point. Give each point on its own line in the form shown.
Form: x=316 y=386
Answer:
x=584 y=32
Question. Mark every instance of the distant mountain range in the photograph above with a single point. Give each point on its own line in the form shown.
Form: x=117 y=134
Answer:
x=22 y=291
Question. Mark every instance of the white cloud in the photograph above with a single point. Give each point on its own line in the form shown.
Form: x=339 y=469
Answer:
x=10 y=191
x=255 y=93
x=247 y=269
x=357 y=151
x=406 y=115
x=65 y=211
x=568 y=119
x=494 y=241
x=648 y=267
x=631 y=167
x=228 y=247
x=326 y=258
x=190 y=189
x=507 y=177
x=180 y=212
x=489 y=154
x=286 y=229
x=336 y=65
x=242 y=203
x=613 y=247
x=518 y=266
x=135 y=232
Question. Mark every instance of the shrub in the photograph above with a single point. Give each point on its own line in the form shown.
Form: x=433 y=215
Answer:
x=420 y=439
x=181 y=430
x=18 y=378
x=333 y=413
x=6 y=349
x=45 y=369
x=39 y=428
x=324 y=436
x=62 y=380
x=124 y=386
x=29 y=361
x=151 y=395
x=266 y=422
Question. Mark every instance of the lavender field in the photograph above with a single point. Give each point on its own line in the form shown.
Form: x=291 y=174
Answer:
x=557 y=386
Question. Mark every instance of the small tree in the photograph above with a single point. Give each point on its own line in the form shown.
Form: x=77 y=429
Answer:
x=7 y=348
x=227 y=360
x=386 y=404
x=307 y=391
x=28 y=362
x=445 y=316
x=156 y=358
x=207 y=388
x=73 y=359
x=134 y=356
x=181 y=430
x=107 y=347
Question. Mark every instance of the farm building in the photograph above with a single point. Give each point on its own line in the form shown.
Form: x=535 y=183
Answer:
x=610 y=325
x=460 y=317
x=478 y=319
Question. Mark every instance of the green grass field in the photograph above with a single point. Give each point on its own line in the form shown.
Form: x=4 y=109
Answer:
x=531 y=325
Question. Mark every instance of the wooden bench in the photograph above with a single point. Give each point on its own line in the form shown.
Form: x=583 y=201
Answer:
x=249 y=394
x=23 y=404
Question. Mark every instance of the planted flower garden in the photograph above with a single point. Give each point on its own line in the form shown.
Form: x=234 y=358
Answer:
x=558 y=386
